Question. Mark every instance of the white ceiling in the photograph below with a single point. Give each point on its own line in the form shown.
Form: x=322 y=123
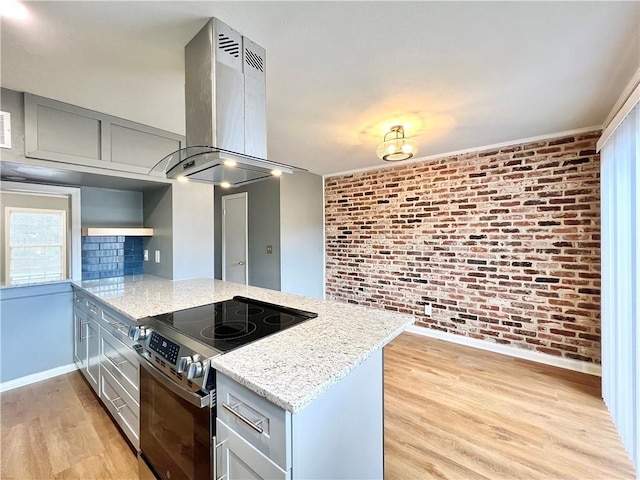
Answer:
x=457 y=74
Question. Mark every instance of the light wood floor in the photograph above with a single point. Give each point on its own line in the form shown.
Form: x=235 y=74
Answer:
x=450 y=412
x=461 y=413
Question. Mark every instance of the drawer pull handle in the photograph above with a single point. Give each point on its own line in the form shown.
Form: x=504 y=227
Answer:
x=233 y=411
x=113 y=402
x=115 y=362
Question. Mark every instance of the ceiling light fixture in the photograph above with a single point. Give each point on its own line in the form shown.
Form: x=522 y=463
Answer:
x=397 y=147
x=225 y=185
x=276 y=172
x=230 y=163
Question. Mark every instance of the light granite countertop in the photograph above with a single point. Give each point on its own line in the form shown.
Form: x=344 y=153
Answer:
x=290 y=368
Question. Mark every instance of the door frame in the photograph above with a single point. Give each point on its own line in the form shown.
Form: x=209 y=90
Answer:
x=246 y=236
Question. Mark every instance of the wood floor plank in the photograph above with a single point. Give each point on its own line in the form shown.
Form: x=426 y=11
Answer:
x=22 y=456
x=462 y=413
x=451 y=412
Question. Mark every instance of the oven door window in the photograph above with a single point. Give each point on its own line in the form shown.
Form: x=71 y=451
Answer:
x=175 y=436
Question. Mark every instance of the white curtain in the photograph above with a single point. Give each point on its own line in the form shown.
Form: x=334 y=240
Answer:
x=620 y=213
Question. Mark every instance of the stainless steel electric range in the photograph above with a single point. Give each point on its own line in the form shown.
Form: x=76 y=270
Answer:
x=177 y=382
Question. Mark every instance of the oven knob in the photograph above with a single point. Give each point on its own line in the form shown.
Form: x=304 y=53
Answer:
x=195 y=370
x=184 y=363
x=139 y=332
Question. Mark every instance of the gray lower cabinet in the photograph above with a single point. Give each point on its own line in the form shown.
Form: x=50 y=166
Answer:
x=120 y=376
x=339 y=435
x=79 y=338
x=103 y=352
x=65 y=133
x=93 y=354
x=86 y=345
x=238 y=459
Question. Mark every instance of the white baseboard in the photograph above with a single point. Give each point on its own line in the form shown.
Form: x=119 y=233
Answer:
x=568 y=363
x=37 y=377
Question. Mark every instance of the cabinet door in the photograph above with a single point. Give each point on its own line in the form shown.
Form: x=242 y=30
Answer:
x=62 y=132
x=93 y=355
x=236 y=459
x=140 y=146
x=79 y=338
x=66 y=133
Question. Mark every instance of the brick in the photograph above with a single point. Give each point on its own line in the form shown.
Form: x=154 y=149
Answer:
x=494 y=240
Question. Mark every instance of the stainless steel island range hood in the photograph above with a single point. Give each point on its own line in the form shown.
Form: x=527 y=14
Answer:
x=225 y=96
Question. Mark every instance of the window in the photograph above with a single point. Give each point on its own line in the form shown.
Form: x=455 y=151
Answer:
x=36 y=245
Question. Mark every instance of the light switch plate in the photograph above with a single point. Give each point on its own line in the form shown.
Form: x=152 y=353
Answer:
x=157 y=256
x=428 y=311
x=146 y=255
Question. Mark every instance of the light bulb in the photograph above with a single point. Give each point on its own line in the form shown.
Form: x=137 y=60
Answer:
x=230 y=163
x=225 y=184
x=406 y=148
x=276 y=172
x=182 y=179
x=13 y=9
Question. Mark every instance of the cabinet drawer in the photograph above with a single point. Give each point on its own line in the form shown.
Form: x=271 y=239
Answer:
x=237 y=458
x=87 y=305
x=238 y=407
x=93 y=309
x=80 y=301
x=122 y=407
x=116 y=327
x=121 y=362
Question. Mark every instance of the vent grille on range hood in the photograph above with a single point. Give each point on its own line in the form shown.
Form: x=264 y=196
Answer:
x=225 y=99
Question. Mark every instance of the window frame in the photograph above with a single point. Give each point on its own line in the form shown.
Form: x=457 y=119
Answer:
x=74 y=241
x=64 y=247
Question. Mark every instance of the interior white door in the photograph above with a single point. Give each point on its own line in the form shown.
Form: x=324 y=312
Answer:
x=234 y=238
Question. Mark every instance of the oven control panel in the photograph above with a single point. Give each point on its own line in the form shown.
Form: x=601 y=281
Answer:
x=163 y=347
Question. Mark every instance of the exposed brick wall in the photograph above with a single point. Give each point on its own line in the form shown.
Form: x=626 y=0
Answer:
x=505 y=244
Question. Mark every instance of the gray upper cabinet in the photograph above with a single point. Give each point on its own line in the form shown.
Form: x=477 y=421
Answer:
x=136 y=145
x=65 y=133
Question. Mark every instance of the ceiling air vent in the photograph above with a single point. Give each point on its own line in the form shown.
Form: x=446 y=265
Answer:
x=254 y=60
x=228 y=45
x=5 y=130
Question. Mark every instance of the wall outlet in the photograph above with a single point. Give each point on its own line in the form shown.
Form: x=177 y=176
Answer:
x=269 y=249
x=428 y=311
x=146 y=255
x=157 y=256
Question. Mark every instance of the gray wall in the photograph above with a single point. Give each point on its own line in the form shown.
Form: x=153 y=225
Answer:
x=158 y=214
x=105 y=207
x=182 y=218
x=263 y=200
x=31 y=201
x=193 y=252
x=302 y=234
x=13 y=102
x=39 y=318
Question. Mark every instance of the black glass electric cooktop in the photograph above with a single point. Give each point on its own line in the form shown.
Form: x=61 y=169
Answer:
x=232 y=323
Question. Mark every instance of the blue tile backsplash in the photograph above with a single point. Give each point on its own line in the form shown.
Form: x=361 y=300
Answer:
x=106 y=257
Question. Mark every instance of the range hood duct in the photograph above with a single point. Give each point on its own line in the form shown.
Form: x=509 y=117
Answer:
x=225 y=96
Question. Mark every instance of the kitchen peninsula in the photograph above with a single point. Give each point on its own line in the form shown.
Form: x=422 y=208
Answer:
x=314 y=390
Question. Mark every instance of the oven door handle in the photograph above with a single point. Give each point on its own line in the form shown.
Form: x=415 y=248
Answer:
x=192 y=397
